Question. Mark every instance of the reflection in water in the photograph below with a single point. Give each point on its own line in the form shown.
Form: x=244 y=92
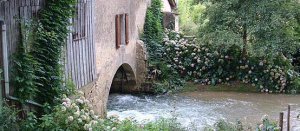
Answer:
x=199 y=108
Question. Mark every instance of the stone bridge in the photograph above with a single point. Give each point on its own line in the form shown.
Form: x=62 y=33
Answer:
x=103 y=52
x=117 y=68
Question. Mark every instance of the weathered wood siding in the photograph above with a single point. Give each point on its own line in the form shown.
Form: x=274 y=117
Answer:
x=12 y=11
x=79 y=52
x=80 y=57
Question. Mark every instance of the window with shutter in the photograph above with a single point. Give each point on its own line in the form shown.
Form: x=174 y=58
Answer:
x=127 y=29
x=118 y=31
x=122 y=30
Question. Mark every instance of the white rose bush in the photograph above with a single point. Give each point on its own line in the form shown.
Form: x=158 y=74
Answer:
x=216 y=64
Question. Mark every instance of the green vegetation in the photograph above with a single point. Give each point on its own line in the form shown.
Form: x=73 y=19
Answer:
x=37 y=71
x=8 y=118
x=257 y=26
x=190 y=15
x=215 y=64
x=166 y=78
x=76 y=114
x=223 y=125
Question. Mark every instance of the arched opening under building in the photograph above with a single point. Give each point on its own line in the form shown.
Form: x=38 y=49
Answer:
x=124 y=80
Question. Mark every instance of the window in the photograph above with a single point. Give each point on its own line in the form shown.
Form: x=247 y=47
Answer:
x=122 y=30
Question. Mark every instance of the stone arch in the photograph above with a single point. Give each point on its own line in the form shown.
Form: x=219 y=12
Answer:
x=124 y=80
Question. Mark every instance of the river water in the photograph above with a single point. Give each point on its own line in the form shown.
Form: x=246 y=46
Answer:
x=201 y=109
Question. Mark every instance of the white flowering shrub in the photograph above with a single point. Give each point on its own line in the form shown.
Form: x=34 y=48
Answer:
x=71 y=114
x=76 y=115
x=210 y=64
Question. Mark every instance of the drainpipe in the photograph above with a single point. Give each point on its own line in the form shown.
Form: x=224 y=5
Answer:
x=5 y=68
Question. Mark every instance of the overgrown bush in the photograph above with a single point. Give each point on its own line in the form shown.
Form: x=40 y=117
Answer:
x=265 y=125
x=165 y=78
x=223 y=125
x=214 y=64
x=9 y=119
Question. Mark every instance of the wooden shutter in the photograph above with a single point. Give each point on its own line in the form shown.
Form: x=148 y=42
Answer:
x=118 y=31
x=127 y=29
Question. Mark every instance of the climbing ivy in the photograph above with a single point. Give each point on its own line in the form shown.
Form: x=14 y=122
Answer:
x=153 y=30
x=38 y=70
x=51 y=37
x=25 y=64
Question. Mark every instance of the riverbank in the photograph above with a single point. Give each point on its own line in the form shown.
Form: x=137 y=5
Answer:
x=203 y=108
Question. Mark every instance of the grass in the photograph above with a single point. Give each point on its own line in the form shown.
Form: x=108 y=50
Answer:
x=233 y=87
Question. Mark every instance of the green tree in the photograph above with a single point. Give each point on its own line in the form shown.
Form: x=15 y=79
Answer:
x=257 y=25
x=190 y=13
x=153 y=30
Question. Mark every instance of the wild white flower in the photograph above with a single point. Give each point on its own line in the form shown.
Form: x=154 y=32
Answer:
x=192 y=65
x=198 y=61
x=250 y=72
x=193 y=54
x=63 y=108
x=79 y=120
x=261 y=63
x=90 y=129
x=77 y=113
x=226 y=56
x=93 y=122
x=67 y=100
x=79 y=101
x=261 y=87
x=83 y=117
x=114 y=128
x=76 y=108
x=70 y=118
x=227 y=79
x=87 y=126
x=256 y=79
x=80 y=93
x=66 y=104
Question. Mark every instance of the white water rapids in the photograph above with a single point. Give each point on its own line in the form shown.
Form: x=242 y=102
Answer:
x=198 y=110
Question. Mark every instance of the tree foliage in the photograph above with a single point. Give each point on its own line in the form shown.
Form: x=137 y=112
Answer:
x=190 y=15
x=260 y=25
x=153 y=30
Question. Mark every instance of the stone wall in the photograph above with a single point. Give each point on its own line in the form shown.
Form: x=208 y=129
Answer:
x=108 y=58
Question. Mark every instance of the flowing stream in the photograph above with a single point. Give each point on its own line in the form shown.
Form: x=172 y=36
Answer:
x=201 y=109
